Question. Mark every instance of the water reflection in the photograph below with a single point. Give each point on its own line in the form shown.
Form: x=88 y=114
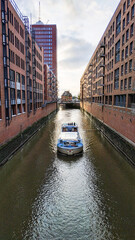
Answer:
x=70 y=204
x=50 y=196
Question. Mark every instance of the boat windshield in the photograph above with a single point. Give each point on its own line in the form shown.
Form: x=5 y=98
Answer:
x=69 y=129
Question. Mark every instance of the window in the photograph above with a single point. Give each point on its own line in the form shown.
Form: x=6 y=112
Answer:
x=131 y=100
x=125 y=83
x=112 y=51
x=123 y=23
x=23 y=95
x=122 y=55
x=17 y=60
x=123 y=39
x=116 y=79
x=132 y=30
x=117 y=52
x=127 y=35
x=122 y=70
x=113 y=39
x=23 y=80
x=16 y=24
x=21 y=32
x=12 y=75
x=124 y=7
x=12 y=93
x=132 y=11
x=17 y=43
x=129 y=82
x=131 y=48
x=126 y=68
x=111 y=76
x=130 y=65
x=121 y=85
x=128 y=3
x=118 y=23
x=30 y=95
x=21 y=48
x=113 y=26
x=112 y=63
x=126 y=52
x=17 y=77
x=22 y=64
x=19 y=108
x=120 y=100
x=127 y=18
x=11 y=56
x=18 y=94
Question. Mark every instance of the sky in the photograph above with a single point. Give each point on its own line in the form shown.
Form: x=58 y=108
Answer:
x=80 y=26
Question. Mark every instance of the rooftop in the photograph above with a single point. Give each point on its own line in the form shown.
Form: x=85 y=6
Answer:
x=67 y=93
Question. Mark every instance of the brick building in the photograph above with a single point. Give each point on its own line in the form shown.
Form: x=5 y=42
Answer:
x=66 y=97
x=107 y=87
x=22 y=86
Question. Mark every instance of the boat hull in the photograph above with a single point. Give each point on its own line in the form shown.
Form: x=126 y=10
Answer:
x=70 y=151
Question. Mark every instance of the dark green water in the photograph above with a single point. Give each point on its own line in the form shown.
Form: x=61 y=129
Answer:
x=88 y=197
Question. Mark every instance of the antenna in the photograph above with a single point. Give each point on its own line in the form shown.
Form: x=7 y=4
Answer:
x=47 y=21
x=39 y=11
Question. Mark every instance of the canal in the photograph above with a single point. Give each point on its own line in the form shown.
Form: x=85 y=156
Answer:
x=48 y=197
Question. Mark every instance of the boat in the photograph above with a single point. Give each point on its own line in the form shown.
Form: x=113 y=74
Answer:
x=69 y=141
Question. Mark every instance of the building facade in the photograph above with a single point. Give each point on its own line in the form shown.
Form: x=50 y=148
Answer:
x=66 y=97
x=107 y=87
x=46 y=37
x=22 y=92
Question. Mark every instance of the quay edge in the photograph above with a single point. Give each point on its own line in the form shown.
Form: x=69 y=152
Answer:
x=8 y=150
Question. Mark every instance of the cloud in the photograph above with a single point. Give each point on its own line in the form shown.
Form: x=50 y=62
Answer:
x=75 y=52
x=80 y=25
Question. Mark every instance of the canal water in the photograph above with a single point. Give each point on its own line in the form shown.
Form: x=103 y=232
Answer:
x=44 y=196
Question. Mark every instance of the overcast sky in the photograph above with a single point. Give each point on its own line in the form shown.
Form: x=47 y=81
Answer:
x=80 y=25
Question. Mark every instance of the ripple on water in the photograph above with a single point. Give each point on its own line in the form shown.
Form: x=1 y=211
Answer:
x=69 y=205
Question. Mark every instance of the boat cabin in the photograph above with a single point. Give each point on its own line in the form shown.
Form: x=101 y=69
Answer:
x=70 y=127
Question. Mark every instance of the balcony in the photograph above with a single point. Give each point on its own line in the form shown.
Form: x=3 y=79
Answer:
x=102 y=55
x=18 y=101
x=101 y=75
x=102 y=65
x=23 y=87
x=13 y=101
x=102 y=45
x=18 y=85
x=12 y=84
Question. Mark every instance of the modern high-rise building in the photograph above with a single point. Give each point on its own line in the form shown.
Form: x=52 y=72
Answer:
x=46 y=37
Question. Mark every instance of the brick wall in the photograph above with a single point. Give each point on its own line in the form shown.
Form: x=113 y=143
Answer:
x=115 y=117
x=21 y=122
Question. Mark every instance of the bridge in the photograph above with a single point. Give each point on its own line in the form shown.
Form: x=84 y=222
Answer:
x=69 y=104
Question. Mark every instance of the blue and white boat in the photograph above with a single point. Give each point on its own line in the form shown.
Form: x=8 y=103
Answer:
x=69 y=141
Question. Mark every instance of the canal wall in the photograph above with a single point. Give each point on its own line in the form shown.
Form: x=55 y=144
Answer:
x=99 y=117
x=22 y=121
x=8 y=149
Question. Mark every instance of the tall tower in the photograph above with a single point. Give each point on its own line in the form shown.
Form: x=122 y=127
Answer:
x=46 y=37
